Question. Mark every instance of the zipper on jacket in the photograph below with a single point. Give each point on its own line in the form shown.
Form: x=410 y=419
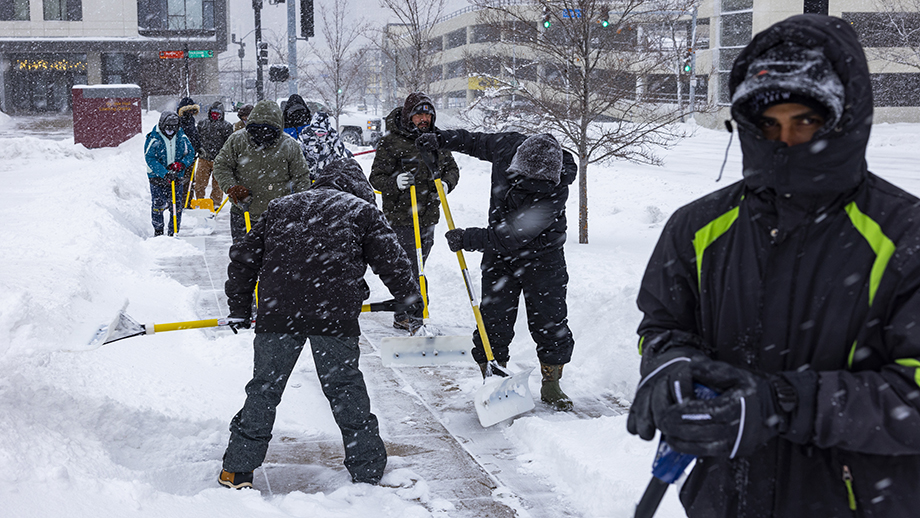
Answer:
x=848 y=481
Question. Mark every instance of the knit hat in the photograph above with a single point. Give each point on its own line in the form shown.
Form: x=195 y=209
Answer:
x=539 y=157
x=416 y=102
x=790 y=73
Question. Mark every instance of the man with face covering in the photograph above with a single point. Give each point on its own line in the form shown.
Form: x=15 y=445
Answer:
x=259 y=164
x=522 y=246
x=794 y=294
x=168 y=153
x=214 y=131
x=396 y=167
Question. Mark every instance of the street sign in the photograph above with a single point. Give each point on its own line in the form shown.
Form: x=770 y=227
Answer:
x=201 y=53
x=172 y=54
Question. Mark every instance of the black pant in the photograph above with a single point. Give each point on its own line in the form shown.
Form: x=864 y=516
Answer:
x=543 y=281
x=406 y=237
x=343 y=385
x=238 y=226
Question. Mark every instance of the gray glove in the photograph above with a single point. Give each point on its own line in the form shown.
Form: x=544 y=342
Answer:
x=404 y=180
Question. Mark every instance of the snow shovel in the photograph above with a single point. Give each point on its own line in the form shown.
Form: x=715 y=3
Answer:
x=221 y=205
x=418 y=252
x=124 y=326
x=501 y=396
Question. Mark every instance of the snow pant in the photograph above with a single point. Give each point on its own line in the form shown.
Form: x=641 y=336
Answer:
x=202 y=175
x=543 y=281
x=336 y=360
x=406 y=237
x=161 y=201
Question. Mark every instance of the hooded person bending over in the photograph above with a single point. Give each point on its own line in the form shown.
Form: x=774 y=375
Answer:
x=522 y=246
x=794 y=294
x=259 y=164
x=309 y=252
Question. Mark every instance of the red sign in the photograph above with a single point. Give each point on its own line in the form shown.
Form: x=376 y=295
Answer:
x=172 y=54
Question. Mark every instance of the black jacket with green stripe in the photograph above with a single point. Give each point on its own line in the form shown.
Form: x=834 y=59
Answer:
x=810 y=263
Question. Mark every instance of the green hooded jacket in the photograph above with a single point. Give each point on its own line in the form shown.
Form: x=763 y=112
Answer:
x=270 y=172
x=397 y=153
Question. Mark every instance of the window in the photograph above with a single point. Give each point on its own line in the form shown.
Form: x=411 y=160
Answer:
x=886 y=29
x=735 y=27
x=815 y=7
x=485 y=34
x=63 y=10
x=175 y=15
x=118 y=68
x=895 y=89
x=455 y=39
x=11 y=10
x=435 y=44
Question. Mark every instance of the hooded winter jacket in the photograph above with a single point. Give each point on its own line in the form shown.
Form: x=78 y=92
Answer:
x=269 y=172
x=396 y=153
x=310 y=251
x=187 y=111
x=526 y=216
x=807 y=266
x=213 y=133
x=160 y=151
x=321 y=143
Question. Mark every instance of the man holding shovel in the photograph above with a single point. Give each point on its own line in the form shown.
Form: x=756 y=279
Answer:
x=309 y=252
x=259 y=164
x=167 y=152
x=522 y=245
x=398 y=173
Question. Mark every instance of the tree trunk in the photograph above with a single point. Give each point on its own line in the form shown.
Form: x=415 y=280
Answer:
x=582 y=199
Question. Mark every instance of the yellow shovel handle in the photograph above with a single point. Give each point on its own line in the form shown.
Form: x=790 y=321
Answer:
x=175 y=218
x=216 y=212
x=178 y=326
x=419 y=259
x=248 y=229
x=466 y=275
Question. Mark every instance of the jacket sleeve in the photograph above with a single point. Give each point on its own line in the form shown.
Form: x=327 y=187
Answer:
x=516 y=230
x=298 y=169
x=484 y=146
x=225 y=163
x=450 y=172
x=386 y=256
x=383 y=170
x=189 y=152
x=243 y=270
x=152 y=153
x=875 y=409
x=668 y=297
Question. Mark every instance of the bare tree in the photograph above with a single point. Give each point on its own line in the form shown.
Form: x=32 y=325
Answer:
x=337 y=69
x=894 y=36
x=589 y=81
x=409 y=46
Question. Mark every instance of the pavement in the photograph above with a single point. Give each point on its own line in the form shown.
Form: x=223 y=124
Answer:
x=427 y=421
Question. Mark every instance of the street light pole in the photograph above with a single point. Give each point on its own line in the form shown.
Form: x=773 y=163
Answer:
x=242 y=54
x=257 y=9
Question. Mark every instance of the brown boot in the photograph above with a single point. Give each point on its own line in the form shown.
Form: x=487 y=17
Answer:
x=551 y=392
x=482 y=368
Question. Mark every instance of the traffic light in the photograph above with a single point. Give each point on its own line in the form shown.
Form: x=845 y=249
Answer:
x=306 y=18
x=263 y=53
x=688 y=61
x=279 y=73
x=605 y=17
x=546 y=21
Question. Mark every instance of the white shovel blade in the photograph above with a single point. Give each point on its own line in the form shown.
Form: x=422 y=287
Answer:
x=503 y=398
x=424 y=350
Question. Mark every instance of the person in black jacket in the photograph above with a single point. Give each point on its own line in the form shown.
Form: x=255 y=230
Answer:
x=187 y=111
x=522 y=246
x=794 y=294
x=309 y=252
x=213 y=132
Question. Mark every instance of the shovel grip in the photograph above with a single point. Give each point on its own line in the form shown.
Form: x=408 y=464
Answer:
x=178 y=326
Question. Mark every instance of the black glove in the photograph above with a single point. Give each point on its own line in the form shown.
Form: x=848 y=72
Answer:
x=236 y=323
x=746 y=414
x=171 y=177
x=429 y=142
x=455 y=239
x=655 y=393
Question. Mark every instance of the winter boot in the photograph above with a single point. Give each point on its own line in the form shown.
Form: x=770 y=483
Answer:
x=551 y=392
x=157 y=232
x=235 y=480
x=482 y=368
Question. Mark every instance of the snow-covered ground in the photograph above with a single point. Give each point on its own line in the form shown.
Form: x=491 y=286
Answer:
x=137 y=427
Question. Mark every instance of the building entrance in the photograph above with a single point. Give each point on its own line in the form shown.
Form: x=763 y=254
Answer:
x=42 y=84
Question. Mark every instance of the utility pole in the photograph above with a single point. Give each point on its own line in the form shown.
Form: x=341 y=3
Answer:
x=292 y=46
x=692 y=62
x=260 y=89
x=242 y=54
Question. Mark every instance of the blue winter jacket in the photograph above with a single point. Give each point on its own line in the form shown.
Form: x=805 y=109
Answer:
x=155 y=153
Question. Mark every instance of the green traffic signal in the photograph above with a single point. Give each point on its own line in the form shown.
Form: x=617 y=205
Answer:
x=687 y=67
x=547 y=24
x=605 y=23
